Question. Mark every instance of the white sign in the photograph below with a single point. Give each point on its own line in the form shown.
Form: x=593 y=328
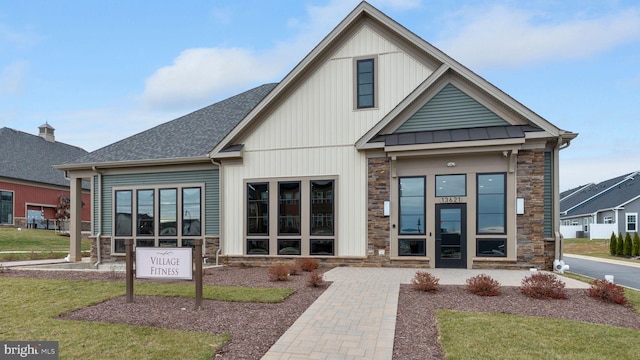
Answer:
x=164 y=263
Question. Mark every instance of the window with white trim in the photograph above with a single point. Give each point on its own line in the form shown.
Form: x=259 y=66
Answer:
x=608 y=219
x=632 y=222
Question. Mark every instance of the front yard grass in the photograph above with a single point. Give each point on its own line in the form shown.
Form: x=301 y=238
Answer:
x=33 y=244
x=472 y=335
x=30 y=308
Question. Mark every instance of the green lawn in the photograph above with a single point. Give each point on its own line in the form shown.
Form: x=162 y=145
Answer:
x=469 y=335
x=35 y=244
x=30 y=308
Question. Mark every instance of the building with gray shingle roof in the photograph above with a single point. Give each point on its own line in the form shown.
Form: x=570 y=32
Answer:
x=599 y=209
x=30 y=187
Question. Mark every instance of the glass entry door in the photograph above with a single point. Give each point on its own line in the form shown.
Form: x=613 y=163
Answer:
x=451 y=235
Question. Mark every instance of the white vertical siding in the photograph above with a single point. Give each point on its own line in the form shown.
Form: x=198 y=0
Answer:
x=313 y=132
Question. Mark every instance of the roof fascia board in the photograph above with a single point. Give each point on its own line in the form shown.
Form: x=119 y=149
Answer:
x=453 y=148
x=577 y=191
x=133 y=163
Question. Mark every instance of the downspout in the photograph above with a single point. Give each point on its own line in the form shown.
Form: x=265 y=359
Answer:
x=558 y=263
x=221 y=198
x=99 y=234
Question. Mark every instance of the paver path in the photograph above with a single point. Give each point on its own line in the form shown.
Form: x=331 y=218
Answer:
x=355 y=318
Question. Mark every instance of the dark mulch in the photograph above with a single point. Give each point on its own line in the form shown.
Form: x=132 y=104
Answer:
x=255 y=327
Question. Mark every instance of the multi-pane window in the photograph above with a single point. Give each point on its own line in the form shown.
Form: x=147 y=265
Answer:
x=305 y=220
x=365 y=83
x=6 y=207
x=451 y=185
x=412 y=206
x=608 y=219
x=491 y=212
x=163 y=216
x=412 y=247
x=632 y=222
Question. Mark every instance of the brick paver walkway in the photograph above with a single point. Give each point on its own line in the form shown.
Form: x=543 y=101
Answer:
x=355 y=318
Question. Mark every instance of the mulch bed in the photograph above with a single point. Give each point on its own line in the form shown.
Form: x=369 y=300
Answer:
x=254 y=327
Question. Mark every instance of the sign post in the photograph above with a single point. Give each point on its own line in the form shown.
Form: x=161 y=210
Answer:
x=198 y=260
x=128 y=244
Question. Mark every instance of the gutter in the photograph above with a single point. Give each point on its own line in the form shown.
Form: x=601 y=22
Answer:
x=558 y=263
x=99 y=234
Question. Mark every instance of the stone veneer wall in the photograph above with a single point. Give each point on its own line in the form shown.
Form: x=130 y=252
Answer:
x=533 y=249
x=379 y=190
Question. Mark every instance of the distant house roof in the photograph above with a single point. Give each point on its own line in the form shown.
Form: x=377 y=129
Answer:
x=31 y=158
x=590 y=198
x=192 y=135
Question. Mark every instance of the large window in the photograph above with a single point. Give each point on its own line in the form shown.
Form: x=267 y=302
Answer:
x=632 y=222
x=6 y=207
x=164 y=217
x=365 y=83
x=491 y=247
x=491 y=212
x=305 y=220
x=412 y=206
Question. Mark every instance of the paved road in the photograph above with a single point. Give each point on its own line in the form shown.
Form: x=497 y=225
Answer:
x=623 y=274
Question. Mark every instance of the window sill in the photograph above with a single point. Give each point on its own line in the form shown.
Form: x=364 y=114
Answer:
x=410 y=258
x=493 y=259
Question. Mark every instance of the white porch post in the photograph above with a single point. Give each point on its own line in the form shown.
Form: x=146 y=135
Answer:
x=75 y=228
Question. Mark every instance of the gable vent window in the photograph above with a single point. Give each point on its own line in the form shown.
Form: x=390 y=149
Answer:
x=365 y=83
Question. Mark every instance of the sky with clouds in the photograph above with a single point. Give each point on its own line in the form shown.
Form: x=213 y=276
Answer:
x=101 y=71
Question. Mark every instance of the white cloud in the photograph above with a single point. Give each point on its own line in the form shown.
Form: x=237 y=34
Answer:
x=12 y=78
x=502 y=36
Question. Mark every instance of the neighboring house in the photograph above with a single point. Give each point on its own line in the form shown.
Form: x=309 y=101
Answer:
x=597 y=210
x=377 y=148
x=30 y=188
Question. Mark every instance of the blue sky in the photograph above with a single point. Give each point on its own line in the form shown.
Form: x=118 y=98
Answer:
x=100 y=71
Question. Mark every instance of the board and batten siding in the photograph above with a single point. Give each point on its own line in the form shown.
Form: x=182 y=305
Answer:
x=313 y=134
x=210 y=178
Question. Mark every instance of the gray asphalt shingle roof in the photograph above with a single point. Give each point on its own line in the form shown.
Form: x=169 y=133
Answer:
x=31 y=158
x=192 y=135
x=605 y=195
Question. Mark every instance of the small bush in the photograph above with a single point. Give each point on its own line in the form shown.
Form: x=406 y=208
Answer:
x=543 y=286
x=279 y=272
x=613 y=247
x=607 y=291
x=483 y=285
x=295 y=269
x=308 y=264
x=636 y=244
x=315 y=279
x=425 y=282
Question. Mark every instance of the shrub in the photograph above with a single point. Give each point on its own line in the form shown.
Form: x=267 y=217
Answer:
x=308 y=264
x=295 y=269
x=613 y=244
x=636 y=244
x=483 y=285
x=607 y=291
x=279 y=272
x=315 y=279
x=620 y=245
x=425 y=282
x=628 y=246
x=543 y=286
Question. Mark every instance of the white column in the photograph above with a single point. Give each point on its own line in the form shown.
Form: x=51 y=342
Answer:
x=75 y=228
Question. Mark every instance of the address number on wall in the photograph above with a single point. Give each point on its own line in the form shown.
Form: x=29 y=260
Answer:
x=451 y=200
